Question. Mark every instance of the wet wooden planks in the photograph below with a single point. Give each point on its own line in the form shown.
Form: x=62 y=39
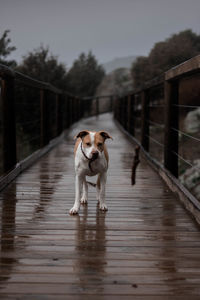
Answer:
x=145 y=247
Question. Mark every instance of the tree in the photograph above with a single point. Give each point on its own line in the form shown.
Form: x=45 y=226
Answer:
x=165 y=55
x=140 y=71
x=42 y=65
x=85 y=75
x=6 y=50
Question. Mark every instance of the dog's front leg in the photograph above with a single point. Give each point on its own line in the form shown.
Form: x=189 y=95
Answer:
x=78 y=187
x=102 y=204
x=84 y=198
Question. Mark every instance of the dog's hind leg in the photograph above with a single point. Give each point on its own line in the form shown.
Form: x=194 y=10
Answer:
x=102 y=180
x=98 y=185
x=84 y=198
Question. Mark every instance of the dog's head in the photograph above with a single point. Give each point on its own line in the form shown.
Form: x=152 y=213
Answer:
x=93 y=142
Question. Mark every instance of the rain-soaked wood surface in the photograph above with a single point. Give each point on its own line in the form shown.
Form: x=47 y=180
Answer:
x=145 y=247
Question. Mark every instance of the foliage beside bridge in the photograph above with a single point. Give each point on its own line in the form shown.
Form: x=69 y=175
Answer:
x=165 y=55
x=82 y=79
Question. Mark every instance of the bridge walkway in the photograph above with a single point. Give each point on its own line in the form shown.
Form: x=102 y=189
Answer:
x=145 y=247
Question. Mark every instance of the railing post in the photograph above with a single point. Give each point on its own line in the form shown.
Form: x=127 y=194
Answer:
x=132 y=129
x=145 y=120
x=69 y=106
x=71 y=111
x=75 y=109
x=44 y=118
x=124 y=115
x=79 y=109
x=66 y=115
x=57 y=118
x=171 y=123
x=121 y=112
x=59 y=114
x=118 y=109
x=66 y=111
x=126 y=124
x=111 y=103
x=97 y=107
x=115 y=107
x=129 y=114
x=9 y=123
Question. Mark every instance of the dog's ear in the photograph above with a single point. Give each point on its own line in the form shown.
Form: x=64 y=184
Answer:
x=105 y=135
x=81 y=134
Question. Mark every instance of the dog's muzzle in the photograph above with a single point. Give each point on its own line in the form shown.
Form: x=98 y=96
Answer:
x=95 y=155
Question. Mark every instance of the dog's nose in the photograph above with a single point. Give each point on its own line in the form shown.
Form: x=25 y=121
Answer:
x=95 y=154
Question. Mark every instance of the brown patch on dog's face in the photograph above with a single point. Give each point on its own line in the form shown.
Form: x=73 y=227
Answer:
x=87 y=141
x=80 y=137
x=99 y=142
x=82 y=134
x=100 y=138
x=105 y=135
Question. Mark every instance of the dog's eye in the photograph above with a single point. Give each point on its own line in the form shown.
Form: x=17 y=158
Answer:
x=100 y=144
x=88 y=144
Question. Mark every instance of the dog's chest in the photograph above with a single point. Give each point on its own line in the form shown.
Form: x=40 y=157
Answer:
x=91 y=168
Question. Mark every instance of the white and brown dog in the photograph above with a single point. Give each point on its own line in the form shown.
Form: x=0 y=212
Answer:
x=91 y=158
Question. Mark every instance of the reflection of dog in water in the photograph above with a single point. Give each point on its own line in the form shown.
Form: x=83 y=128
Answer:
x=90 y=247
x=91 y=158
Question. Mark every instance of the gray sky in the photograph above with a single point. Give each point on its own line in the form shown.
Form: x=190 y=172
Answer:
x=110 y=28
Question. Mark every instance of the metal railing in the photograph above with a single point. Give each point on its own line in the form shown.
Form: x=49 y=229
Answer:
x=32 y=114
x=156 y=115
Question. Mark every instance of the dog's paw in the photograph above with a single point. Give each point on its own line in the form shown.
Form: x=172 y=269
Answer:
x=73 y=211
x=84 y=200
x=103 y=207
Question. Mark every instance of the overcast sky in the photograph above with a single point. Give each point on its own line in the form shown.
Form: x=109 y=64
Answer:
x=110 y=28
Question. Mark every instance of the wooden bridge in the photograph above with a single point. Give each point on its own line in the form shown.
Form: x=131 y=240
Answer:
x=145 y=247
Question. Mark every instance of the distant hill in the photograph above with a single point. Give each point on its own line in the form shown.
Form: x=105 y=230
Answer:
x=117 y=82
x=120 y=62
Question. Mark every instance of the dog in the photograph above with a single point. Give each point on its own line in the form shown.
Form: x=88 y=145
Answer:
x=91 y=158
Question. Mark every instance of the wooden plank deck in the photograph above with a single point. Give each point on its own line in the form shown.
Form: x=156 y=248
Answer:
x=145 y=247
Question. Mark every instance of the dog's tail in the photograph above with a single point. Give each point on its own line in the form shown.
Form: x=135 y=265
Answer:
x=92 y=184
